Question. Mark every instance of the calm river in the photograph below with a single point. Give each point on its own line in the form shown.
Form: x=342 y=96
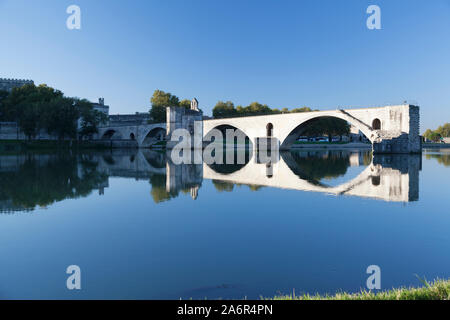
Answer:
x=141 y=227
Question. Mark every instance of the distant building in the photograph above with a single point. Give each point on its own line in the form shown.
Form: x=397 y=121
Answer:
x=9 y=84
x=446 y=140
x=100 y=106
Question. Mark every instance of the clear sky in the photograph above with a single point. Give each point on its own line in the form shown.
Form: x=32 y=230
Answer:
x=314 y=53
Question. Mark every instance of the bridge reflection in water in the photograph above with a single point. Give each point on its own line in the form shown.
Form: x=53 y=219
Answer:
x=31 y=180
x=385 y=177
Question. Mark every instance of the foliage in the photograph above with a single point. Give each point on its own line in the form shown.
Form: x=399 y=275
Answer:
x=437 y=290
x=160 y=101
x=223 y=186
x=224 y=110
x=3 y=96
x=159 y=192
x=443 y=159
x=228 y=110
x=185 y=104
x=436 y=135
x=323 y=165
x=328 y=126
x=41 y=181
x=90 y=118
x=41 y=107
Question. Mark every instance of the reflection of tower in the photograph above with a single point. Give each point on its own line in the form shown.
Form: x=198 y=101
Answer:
x=183 y=177
x=194 y=192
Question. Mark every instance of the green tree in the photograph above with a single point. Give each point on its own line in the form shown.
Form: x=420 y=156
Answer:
x=303 y=109
x=328 y=126
x=60 y=116
x=28 y=106
x=428 y=134
x=160 y=101
x=29 y=120
x=444 y=131
x=3 y=96
x=90 y=118
x=185 y=104
x=224 y=110
x=435 y=136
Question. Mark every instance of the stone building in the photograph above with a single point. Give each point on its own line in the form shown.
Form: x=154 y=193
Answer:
x=9 y=84
x=188 y=119
x=100 y=106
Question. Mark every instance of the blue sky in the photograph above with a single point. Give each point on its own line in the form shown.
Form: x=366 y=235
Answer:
x=282 y=53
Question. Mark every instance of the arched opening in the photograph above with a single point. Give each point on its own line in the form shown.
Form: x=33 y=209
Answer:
x=154 y=136
x=326 y=168
x=376 y=124
x=132 y=137
x=376 y=180
x=269 y=130
x=231 y=136
x=237 y=149
x=110 y=135
x=319 y=130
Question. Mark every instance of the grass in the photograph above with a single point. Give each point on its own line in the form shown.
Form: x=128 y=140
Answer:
x=436 y=290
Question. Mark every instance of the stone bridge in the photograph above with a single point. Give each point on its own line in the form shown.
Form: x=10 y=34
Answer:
x=390 y=129
x=145 y=135
x=384 y=177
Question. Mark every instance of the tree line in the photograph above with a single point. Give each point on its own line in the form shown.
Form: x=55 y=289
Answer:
x=35 y=108
x=436 y=135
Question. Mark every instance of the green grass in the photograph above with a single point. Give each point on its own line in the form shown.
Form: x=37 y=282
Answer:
x=436 y=290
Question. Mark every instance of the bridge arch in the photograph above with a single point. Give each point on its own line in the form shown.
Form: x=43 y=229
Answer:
x=153 y=135
x=223 y=127
x=292 y=133
x=111 y=134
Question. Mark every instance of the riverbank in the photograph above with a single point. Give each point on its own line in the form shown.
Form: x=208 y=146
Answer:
x=436 y=290
x=22 y=145
x=328 y=145
x=436 y=145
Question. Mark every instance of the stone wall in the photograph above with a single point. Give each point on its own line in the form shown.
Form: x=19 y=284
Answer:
x=11 y=131
x=9 y=84
x=190 y=120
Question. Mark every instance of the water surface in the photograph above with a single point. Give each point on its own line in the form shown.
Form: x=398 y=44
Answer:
x=141 y=227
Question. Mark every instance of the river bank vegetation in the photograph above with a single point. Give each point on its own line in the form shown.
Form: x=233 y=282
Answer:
x=436 y=135
x=436 y=290
x=42 y=108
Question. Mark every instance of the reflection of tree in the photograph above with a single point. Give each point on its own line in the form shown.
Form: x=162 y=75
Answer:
x=43 y=180
x=443 y=159
x=224 y=186
x=159 y=192
x=318 y=166
x=367 y=158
